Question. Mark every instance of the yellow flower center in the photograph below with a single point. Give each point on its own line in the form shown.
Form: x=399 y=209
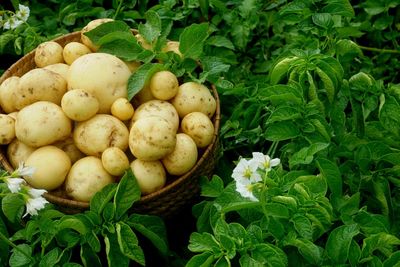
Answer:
x=247 y=173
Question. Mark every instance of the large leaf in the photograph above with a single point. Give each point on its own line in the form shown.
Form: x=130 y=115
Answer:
x=128 y=192
x=128 y=243
x=339 y=240
x=141 y=77
x=191 y=40
x=151 y=30
x=332 y=175
x=101 y=198
x=13 y=206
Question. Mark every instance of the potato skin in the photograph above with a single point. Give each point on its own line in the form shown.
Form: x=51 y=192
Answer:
x=158 y=108
x=7 y=129
x=79 y=105
x=86 y=177
x=73 y=50
x=107 y=84
x=69 y=147
x=51 y=166
x=150 y=175
x=7 y=91
x=151 y=138
x=39 y=85
x=143 y=96
x=90 y=26
x=114 y=161
x=122 y=109
x=59 y=68
x=98 y=133
x=184 y=156
x=18 y=152
x=172 y=46
x=164 y=85
x=192 y=97
x=42 y=123
x=199 y=127
x=48 y=53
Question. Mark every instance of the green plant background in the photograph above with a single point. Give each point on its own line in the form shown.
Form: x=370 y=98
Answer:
x=312 y=82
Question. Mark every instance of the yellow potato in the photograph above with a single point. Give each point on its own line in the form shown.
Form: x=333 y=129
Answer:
x=7 y=129
x=122 y=109
x=150 y=175
x=172 y=46
x=192 y=97
x=18 y=152
x=59 y=68
x=79 y=105
x=39 y=85
x=73 y=50
x=90 y=26
x=114 y=161
x=133 y=65
x=86 y=177
x=184 y=156
x=143 y=42
x=164 y=85
x=100 y=132
x=152 y=138
x=199 y=127
x=51 y=166
x=69 y=147
x=48 y=53
x=42 y=123
x=7 y=90
x=143 y=96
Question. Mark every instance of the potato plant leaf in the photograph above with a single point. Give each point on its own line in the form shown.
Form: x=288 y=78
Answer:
x=101 y=198
x=141 y=76
x=127 y=193
x=151 y=30
x=339 y=240
x=103 y=29
x=13 y=207
x=192 y=40
x=129 y=244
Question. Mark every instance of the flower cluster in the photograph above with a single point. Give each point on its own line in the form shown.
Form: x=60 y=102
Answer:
x=34 y=199
x=11 y=20
x=247 y=173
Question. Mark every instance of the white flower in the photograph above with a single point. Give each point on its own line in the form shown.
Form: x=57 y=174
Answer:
x=23 y=12
x=245 y=189
x=12 y=23
x=35 y=201
x=14 y=184
x=246 y=170
x=35 y=204
x=264 y=161
x=23 y=170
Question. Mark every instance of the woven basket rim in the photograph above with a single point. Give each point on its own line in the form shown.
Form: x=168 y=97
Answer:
x=144 y=199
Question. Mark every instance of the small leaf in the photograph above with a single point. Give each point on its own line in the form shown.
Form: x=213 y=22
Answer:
x=128 y=192
x=13 y=206
x=201 y=260
x=339 y=240
x=128 y=243
x=220 y=41
x=141 y=76
x=311 y=252
x=151 y=30
x=101 y=198
x=280 y=131
x=202 y=242
x=72 y=223
x=280 y=69
x=332 y=175
x=4 y=247
x=192 y=39
x=103 y=29
x=89 y=257
x=211 y=188
x=339 y=7
x=19 y=259
x=114 y=255
x=328 y=84
x=306 y=154
x=51 y=258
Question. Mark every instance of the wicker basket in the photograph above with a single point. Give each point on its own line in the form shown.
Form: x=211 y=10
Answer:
x=178 y=192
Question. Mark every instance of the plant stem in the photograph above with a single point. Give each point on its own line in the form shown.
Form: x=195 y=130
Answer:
x=118 y=9
x=373 y=49
x=2 y=236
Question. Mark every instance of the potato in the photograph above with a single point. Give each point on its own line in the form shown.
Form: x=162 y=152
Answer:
x=86 y=177
x=114 y=161
x=48 y=53
x=90 y=26
x=7 y=129
x=13 y=115
x=39 y=85
x=69 y=147
x=133 y=65
x=152 y=138
x=183 y=157
x=192 y=97
x=18 y=152
x=51 y=166
x=103 y=75
x=79 y=105
x=172 y=46
x=100 y=132
x=143 y=96
x=164 y=85
x=73 y=50
x=159 y=108
x=59 y=68
x=42 y=123
x=143 y=42
x=7 y=89
x=150 y=175
x=122 y=109
x=199 y=127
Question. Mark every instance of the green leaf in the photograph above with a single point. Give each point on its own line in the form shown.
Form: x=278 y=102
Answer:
x=280 y=131
x=283 y=113
x=269 y=255
x=151 y=30
x=389 y=115
x=103 y=29
x=220 y=41
x=383 y=242
x=72 y=223
x=201 y=242
x=115 y=257
x=323 y=20
x=21 y=256
x=4 y=247
x=191 y=40
x=280 y=69
x=328 y=84
x=101 y=198
x=204 y=259
x=5 y=39
x=128 y=243
x=13 y=206
x=306 y=154
x=153 y=228
x=142 y=76
x=311 y=252
x=339 y=7
x=109 y=212
x=393 y=260
x=89 y=257
x=51 y=258
x=354 y=253
x=211 y=188
x=332 y=175
x=339 y=240
x=303 y=226
x=128 y=192
x=372 y=223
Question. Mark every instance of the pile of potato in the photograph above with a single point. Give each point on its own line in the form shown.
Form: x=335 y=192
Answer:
x=70 y=119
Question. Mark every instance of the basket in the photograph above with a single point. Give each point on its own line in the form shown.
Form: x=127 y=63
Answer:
x=168 y=201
